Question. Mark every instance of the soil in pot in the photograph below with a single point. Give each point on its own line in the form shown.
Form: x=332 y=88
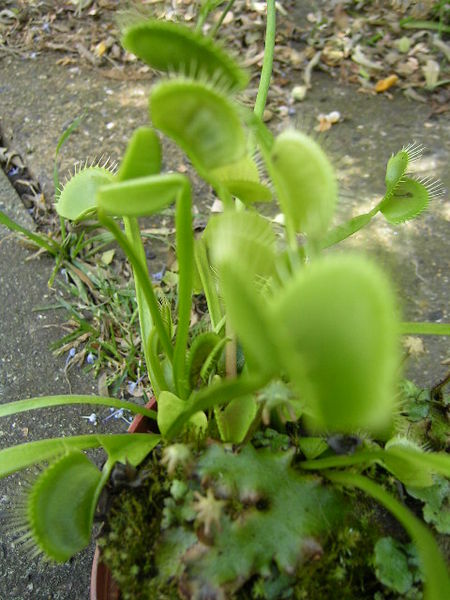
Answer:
x=160 y=539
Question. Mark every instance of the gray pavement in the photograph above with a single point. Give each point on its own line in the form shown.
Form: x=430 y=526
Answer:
x=27 y=368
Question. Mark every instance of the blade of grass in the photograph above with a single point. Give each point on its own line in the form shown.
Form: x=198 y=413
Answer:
x=13 y=408
x=42 y=242
x=424 y=328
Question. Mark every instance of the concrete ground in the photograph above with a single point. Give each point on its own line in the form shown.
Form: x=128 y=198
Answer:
x=27 y=369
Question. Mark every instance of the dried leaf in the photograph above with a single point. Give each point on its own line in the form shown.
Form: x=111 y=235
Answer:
x=414 y=346
x=431 y=71
x=107 y=257
x=385 y=84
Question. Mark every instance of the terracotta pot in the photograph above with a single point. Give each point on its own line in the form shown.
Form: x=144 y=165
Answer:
x=103 y=586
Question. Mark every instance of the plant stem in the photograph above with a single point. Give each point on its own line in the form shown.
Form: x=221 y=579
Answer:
x=145 y=319
x=144 y=281
x=266 y=72
x=225 y=11
x=358 y=458
x=185 y=257
x=208 y=283
x=230 y=352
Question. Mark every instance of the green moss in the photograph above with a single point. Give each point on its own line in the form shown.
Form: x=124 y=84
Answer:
x=157 y=545
x=129 y=543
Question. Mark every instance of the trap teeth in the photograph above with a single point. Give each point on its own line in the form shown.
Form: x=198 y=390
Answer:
x=414 y=150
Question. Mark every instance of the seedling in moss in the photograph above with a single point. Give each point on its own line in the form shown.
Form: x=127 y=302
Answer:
x=324 y=326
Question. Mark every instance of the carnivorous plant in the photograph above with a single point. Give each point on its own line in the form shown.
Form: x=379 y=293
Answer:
x=294 y=334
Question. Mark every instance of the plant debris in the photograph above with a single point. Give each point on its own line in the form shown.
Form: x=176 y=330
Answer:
x=378 y=46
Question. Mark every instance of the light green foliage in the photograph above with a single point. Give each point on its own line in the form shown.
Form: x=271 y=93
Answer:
x=312 y=447
x=413 y=466
x=395 y=565
x=77 y=198
x=138 y=197
x=279 y=403
x=202 y=355
x=173 y=545
x=436 y=499
x=278 y=515
x=170 y=407
x=250 y=319
x=177 y=49
x=338 y=342
x=399 y=459
x=396 y=168
x=19 y=457
x=203 y=122
x=61 y=505
x=241 y=179
x=437 y=581
x=235 y=419
x=291 y=339
x=406 y=198
x=305 y=182
x=142 y=157
x=243 y=239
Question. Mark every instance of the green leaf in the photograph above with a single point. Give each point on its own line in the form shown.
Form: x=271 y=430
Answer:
x=241 y=179
x=14 y=408
x=132 y=448
x=250 y=320
x=170 y=407
x=305 y=182
x=408 y=200
x=391 y=565
x=62 y=501
x=425 y=328
x=436 y=499
x=235 y=419
x=412 y=466
x=312 y=447
x=338 y=342
x=208 y=280
x=19 y=457
x=142 y=157
x=78 y=197
x=278 y=514
x=59 y=507
x=41 y=241
x=245 y=239
x=411 y=23
x=342 y=232
x=396 y=168
x=201 y=347
x=175 y=48
x=400 y=459
x=437 y=583
x=215 y=395
x=141 y=197
x=203 y=122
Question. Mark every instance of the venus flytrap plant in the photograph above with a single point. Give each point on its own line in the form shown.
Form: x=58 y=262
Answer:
x=318 y=334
